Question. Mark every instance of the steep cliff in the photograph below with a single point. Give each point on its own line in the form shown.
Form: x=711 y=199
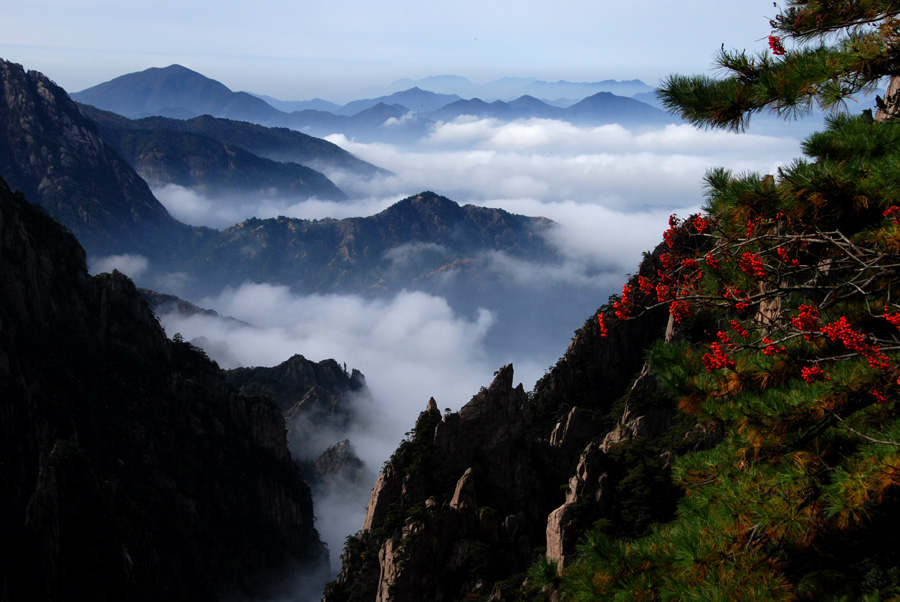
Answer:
x=321 y=402
x=467 y=504
x=131 y=469
x=55 y=155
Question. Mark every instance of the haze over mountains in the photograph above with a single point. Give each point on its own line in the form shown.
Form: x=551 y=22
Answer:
x=178 y=92
x=425 y=243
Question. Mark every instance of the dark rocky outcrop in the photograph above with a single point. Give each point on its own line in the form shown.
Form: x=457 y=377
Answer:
x=320 y=401
x=340 y=462
x=299 y=385
x=465 y=505
x=131 y=470
x=162 y=303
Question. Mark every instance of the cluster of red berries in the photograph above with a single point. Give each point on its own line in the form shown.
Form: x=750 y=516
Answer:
x=690 y=264
x=742 y=302
x=812 y=374
x=700 y=224
x=807 y=320
x=718 y=359
x=739 y=328
x=621 y=307
x=892 y=318
x=670 y=234
x=893 y=213
x=775 y=45
x=854 y=341
x=770 y=347
x=604 y=329
x=785 y=258
x=752 y=265
x=681 y=310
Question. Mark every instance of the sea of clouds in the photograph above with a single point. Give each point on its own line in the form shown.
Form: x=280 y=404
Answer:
x=608 y=189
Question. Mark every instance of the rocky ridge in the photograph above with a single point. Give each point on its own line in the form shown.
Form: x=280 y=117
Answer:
x=131 y=469
x=50 y=152
x=165 y=152
x=467 y=503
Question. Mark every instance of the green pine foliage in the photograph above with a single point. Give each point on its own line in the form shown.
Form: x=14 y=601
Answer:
x=843 y=47
x=785 y=297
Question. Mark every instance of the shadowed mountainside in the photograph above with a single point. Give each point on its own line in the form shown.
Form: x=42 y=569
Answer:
x=466 y=504
x=276 y=144
x=56 y=157
x=131 y=469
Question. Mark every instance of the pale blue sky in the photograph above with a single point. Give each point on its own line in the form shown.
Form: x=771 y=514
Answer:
x=345 y=49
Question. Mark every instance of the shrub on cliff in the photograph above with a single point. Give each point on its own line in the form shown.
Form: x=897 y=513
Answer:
x=796 y=274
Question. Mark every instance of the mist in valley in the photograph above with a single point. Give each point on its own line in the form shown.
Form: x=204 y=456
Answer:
x=609 y=192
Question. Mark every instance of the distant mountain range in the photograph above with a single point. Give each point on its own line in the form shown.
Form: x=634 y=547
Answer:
x=403 y=115
x=508 y=88
x=60 y=159
x=175 y=91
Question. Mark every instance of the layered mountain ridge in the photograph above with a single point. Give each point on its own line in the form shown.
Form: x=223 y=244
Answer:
x=131 y=469
x=230 y=157
x=405 y=115
x=56 y=157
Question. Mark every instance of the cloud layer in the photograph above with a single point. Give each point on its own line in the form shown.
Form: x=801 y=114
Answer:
x=609 y=190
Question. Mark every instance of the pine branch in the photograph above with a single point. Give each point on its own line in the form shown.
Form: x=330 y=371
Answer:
x=846 y=426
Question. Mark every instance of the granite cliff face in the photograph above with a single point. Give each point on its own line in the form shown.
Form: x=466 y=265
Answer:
x=54 y=155
x=467 y=503
x=131 y=469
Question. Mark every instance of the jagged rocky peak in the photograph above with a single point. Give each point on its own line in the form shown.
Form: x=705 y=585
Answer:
x=465 y=505
x=130 y=469
x=340 y=462
x=321 y=390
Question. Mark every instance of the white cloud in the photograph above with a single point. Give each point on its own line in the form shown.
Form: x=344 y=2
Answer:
x=196 y=209
x=477 y=160
x=185 y=205
x=133 y=266
x=609 y=191
x=411 y=346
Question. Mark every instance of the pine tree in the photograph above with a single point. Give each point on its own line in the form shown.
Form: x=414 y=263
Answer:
x=821 y=52
x=799 y=275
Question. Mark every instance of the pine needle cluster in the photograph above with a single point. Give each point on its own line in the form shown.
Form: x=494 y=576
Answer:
x=798 y=274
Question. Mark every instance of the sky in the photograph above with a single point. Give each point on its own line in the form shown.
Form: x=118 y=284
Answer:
x=340 y=50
